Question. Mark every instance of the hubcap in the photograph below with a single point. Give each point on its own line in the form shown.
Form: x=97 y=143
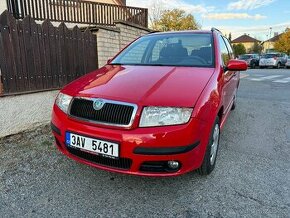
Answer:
x=215 y=143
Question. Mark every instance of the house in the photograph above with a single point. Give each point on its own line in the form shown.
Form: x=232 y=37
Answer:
x=268 y=45
x=247 y=41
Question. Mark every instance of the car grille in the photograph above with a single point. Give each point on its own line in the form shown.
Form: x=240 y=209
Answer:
x=112 y=113
x=121 y=163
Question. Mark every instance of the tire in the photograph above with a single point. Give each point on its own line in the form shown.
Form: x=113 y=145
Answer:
x=253 y=65
x=234 y=104
x=278 y=65
x=235 y=99
x=210 y=156
x=262 y=67
x=288 y=67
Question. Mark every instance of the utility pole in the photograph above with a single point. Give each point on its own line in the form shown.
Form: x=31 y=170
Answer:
x=269 y=38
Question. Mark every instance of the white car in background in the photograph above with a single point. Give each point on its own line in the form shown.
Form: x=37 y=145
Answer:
x=275 y=60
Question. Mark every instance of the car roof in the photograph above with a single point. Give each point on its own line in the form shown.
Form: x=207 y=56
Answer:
x=182 y=32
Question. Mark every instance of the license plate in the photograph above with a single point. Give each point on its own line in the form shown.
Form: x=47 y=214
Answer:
x=92 y=145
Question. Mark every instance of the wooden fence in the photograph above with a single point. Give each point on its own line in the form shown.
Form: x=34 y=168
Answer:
x=77 y=11
x=37 y=57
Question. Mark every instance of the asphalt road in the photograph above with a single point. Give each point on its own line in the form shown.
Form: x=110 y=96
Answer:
x=252 y=177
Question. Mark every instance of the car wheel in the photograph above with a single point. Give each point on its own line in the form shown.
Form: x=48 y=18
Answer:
x=278 y=65
x=234 y=104
x=253 y=65
x=210 y=156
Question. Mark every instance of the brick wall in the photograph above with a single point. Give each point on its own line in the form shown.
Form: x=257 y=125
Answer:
x=111 y=40
x=129 y=32
x=108 y=42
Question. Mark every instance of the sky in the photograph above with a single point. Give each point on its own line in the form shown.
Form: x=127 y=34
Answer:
x=258 y=18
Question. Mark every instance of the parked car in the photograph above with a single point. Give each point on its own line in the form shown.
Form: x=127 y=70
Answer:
x=275 y=60
x=288 y=63
x=156 y=109
x=251 y=59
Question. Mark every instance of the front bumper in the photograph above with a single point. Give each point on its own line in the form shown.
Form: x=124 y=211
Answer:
x=139 y=147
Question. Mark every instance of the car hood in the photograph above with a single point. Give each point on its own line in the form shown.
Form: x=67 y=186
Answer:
x=144 y=85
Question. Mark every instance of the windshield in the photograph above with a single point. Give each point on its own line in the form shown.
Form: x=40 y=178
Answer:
x=169 y=50
x=270 y=55
x=245 y=57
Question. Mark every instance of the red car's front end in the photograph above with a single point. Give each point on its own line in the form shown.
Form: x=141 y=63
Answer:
x=143 y=151
x=152 y=151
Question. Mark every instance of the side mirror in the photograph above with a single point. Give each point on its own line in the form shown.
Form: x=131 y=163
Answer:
x=237 y=65
x=109 y=61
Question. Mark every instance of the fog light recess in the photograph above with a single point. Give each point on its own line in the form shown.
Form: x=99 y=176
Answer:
x=173 y=165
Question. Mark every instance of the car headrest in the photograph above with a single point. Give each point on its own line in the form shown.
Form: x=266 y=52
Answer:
x=174 y=50
x=204 y=53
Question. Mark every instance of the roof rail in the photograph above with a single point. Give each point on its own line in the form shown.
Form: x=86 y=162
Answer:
x=215 y=29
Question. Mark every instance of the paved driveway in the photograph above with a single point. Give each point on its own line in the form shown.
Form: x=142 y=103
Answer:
x=252 y=178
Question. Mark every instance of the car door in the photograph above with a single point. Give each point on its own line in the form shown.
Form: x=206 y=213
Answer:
x=231 y=78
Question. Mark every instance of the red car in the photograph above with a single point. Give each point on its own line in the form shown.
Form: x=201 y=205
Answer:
x=156 y=109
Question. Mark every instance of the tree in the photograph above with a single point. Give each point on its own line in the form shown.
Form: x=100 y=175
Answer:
x=156 y=11
x=257 y=48
x=175 y=19
x=230 y=37
x=239 y=49
x=283 y=43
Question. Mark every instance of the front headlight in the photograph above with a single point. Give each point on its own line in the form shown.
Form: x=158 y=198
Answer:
x=164 y=116
x=63 y=101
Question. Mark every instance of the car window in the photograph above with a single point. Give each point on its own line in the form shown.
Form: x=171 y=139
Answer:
x=157 y=50
x=230 y=49
x=186 y=49
x=270 y=55
x=244 y=57
x=136 y=54
x=224 y=51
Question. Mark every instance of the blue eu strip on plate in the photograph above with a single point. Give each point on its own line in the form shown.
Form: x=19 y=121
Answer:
x=67 y=138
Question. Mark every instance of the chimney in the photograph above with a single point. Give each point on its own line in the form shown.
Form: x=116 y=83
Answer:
x=276 y=33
